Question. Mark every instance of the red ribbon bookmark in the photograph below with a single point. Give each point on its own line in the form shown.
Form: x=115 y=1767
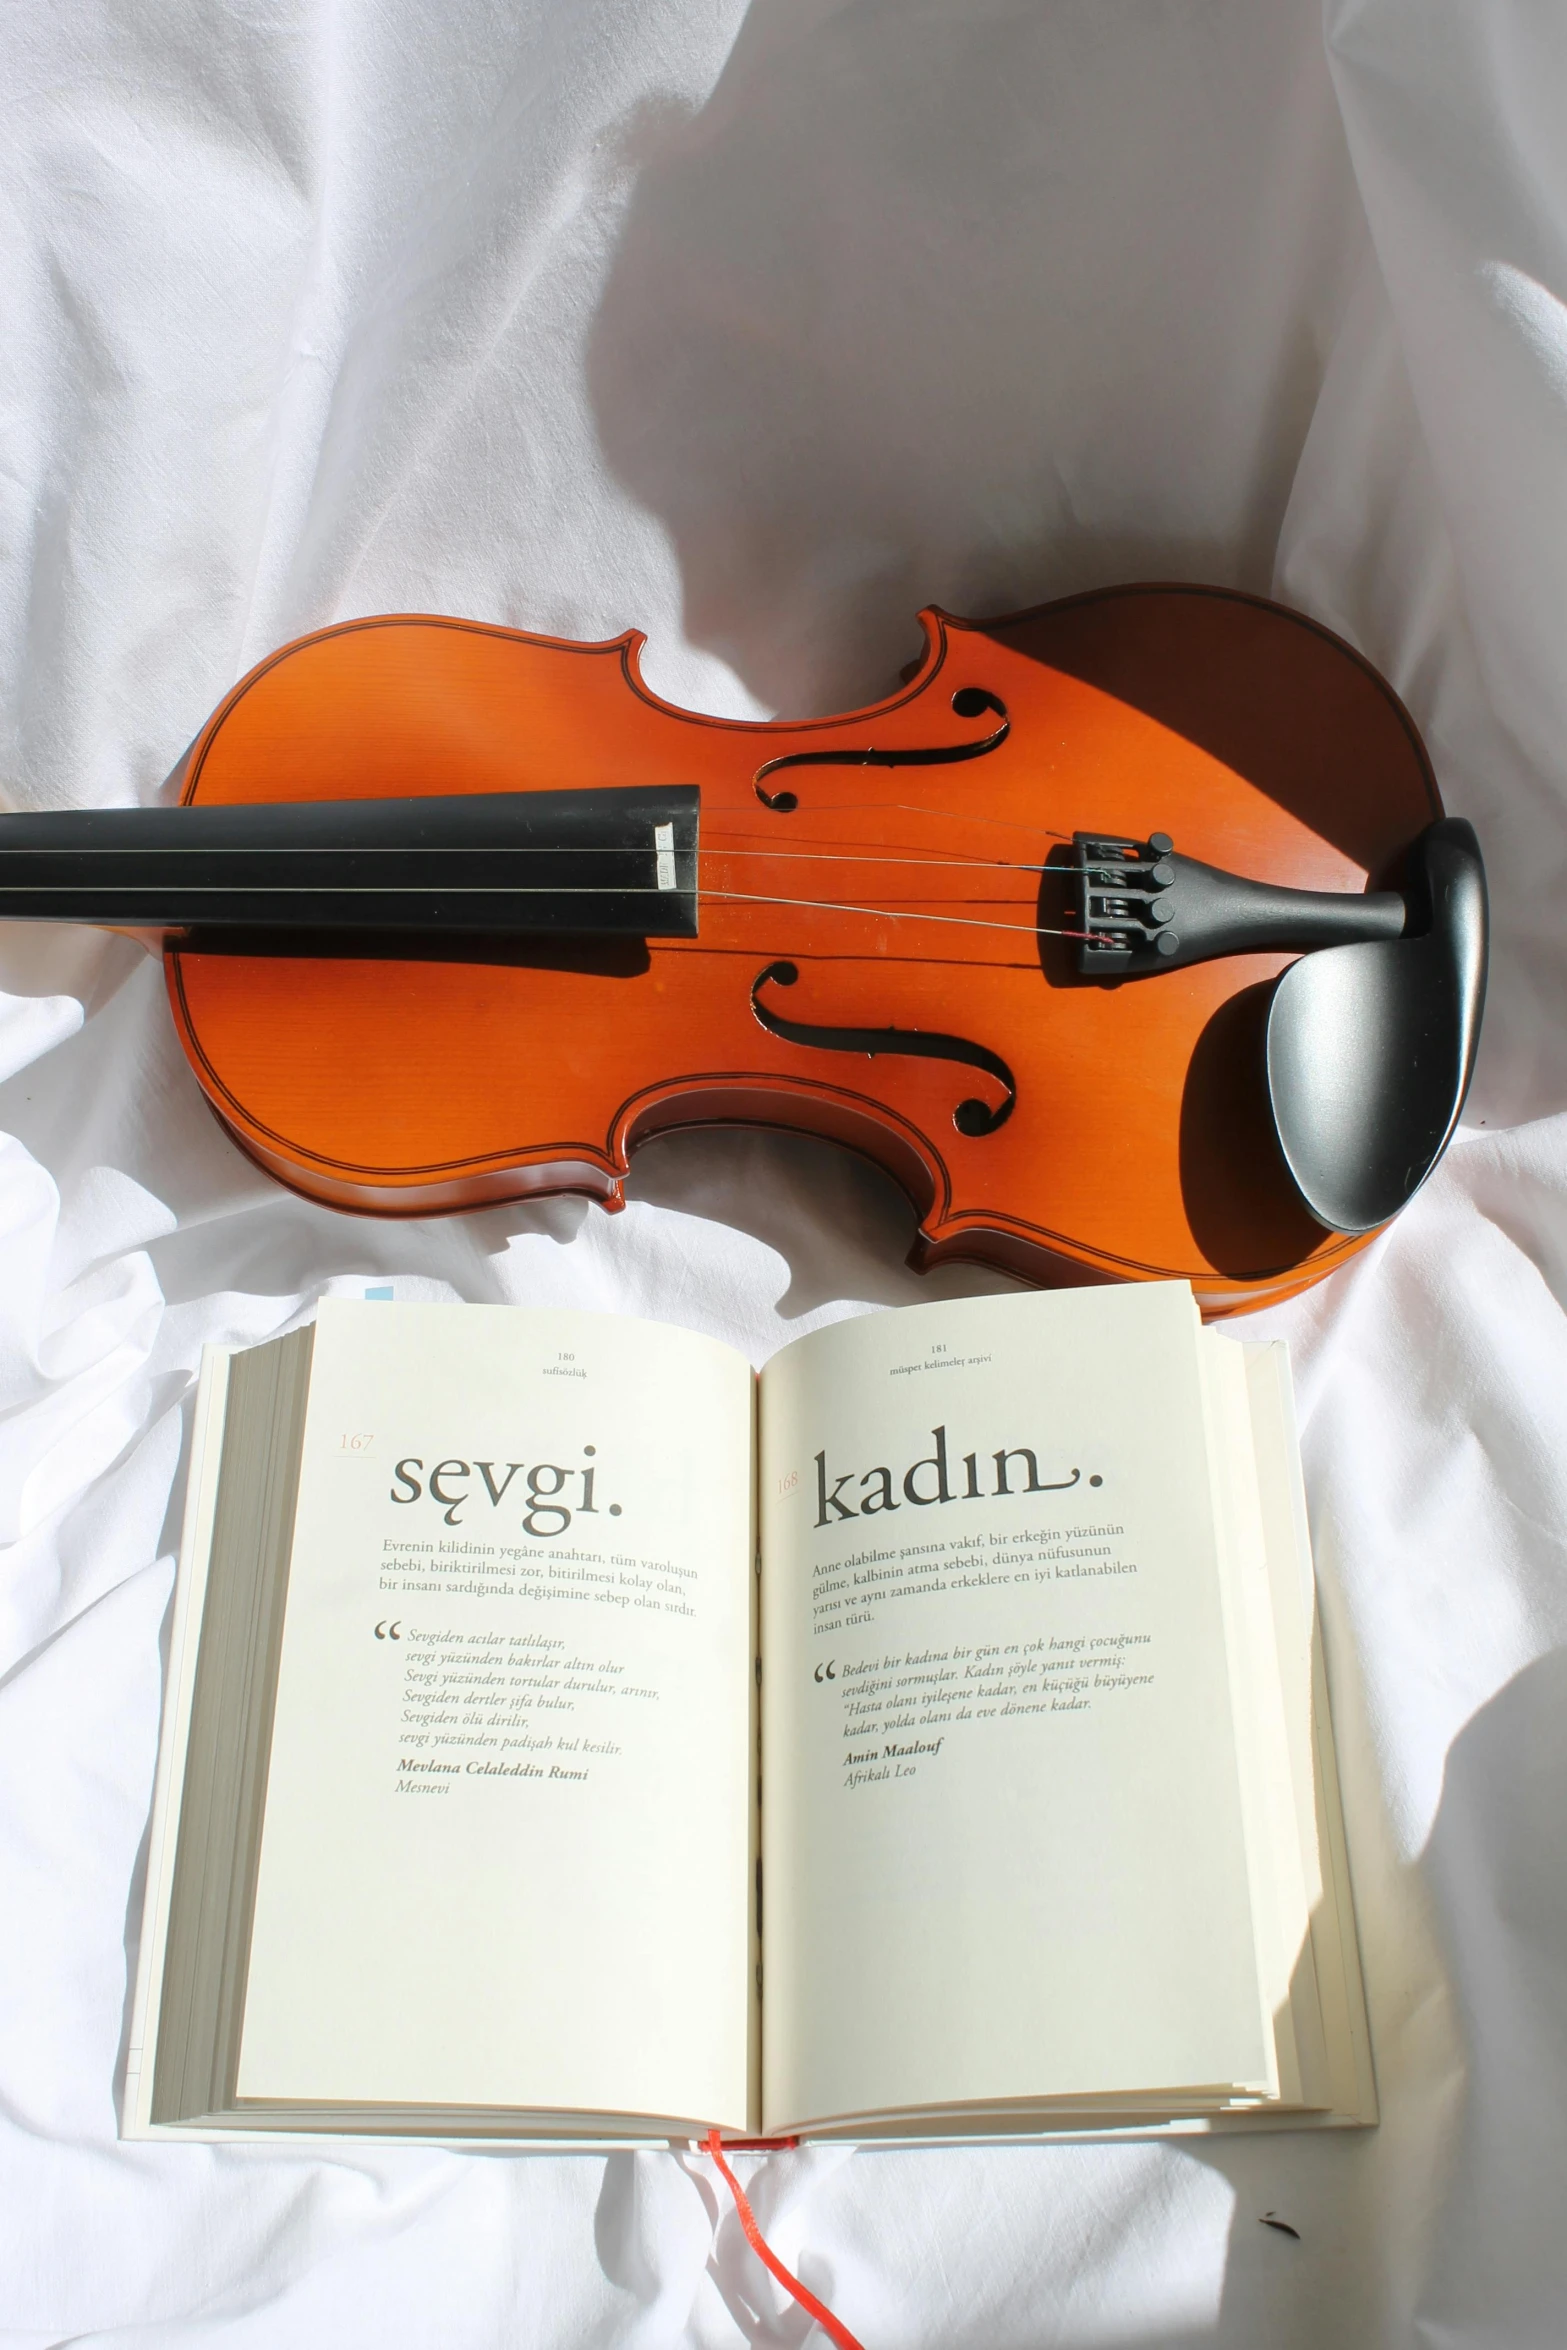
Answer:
x=831 y=2326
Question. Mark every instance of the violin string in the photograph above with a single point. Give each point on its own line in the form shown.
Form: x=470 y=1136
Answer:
x=208 y=889
x=532 y=851
x=891 y=856
x=947 y=815
x=874 y=857
x=972 y=816
x=895 y=914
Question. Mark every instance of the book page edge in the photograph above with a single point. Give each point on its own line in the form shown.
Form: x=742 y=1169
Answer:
x=190 y=1584
x=1272 y=1358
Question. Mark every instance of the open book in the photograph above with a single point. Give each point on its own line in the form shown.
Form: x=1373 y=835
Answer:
x=486 y=1618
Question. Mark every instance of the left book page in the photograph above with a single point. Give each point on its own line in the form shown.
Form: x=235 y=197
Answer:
x=505 y=1853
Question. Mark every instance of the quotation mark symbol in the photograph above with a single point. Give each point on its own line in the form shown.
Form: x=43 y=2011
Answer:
x=828 y=1671
x=389 y=1631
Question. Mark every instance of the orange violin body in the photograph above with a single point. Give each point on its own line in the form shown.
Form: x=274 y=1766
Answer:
x=889 y=870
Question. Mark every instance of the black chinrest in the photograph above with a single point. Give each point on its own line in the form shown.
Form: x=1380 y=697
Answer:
x=1371 y=1047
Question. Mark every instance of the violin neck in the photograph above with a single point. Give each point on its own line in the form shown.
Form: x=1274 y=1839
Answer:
x=600 y=862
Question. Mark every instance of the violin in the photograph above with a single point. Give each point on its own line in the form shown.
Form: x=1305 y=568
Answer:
x=1128 y=936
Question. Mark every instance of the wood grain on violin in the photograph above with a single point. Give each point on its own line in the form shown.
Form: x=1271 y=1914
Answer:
x=895 y=870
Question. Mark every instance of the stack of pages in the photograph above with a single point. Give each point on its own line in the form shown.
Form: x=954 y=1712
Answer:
x=574 y=1738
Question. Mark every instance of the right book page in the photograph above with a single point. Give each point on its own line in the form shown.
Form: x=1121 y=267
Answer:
x=1005 y=1839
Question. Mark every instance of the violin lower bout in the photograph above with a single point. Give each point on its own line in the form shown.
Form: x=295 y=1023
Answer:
x=419 y=1086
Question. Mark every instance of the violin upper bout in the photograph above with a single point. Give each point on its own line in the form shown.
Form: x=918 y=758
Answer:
x=404 y=705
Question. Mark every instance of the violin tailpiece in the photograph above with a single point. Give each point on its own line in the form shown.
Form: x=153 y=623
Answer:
x=1145 y=909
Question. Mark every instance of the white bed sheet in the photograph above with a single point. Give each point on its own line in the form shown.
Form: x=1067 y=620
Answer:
x=758 y=327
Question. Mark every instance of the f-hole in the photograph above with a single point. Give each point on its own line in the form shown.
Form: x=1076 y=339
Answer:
x=972 y=1117
x=970 y=701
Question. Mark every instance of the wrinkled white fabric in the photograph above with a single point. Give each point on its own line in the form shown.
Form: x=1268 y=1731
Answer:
x=757 y=327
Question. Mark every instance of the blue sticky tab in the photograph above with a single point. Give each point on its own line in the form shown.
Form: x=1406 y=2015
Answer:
x=379 y=1296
